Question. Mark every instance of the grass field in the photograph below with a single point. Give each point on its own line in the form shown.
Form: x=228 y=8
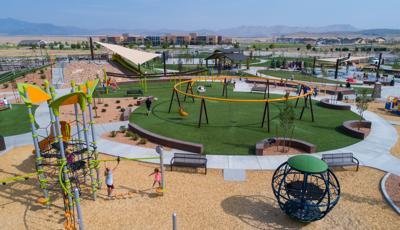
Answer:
x=15 y=121
x=234 y=128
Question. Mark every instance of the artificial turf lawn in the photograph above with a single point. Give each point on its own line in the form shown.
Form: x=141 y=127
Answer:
x=15 y=121
x=234 y=128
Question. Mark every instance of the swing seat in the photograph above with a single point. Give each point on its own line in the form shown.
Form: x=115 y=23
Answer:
x=182 y=113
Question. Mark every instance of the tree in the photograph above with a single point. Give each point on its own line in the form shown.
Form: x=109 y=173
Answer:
x=236 y=45
x=61 y=46
x=308 y=46
x=272 y=46
x=165 y=45
x=148 y=44
x=362 y=102
x=73 y=46
x=286 y=121
x=78 y=45
x=98 y=46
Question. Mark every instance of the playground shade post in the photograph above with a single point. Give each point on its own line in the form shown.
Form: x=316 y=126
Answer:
x=78 y=208
x=174 y=223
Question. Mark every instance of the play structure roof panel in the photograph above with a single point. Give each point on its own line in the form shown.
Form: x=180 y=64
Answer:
x=32 y=93
x=138 y=57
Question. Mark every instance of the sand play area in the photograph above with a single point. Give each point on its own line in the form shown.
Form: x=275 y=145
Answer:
x=200 y=201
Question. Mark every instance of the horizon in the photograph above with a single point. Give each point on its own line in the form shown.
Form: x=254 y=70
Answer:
x=191 y=16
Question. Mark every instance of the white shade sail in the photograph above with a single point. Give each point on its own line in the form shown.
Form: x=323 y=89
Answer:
x=138 y=57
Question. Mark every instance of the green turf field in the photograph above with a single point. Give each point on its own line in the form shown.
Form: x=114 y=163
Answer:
x=15 y=121
x=234 y=128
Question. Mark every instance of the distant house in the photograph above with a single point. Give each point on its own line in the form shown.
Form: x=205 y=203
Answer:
x=360 y=41
x=39 y=43
x=379 y=40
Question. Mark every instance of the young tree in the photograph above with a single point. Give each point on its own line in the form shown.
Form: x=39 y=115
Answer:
x=362 y=104
x=272 y=46
x=286 y=121
x=308 y=46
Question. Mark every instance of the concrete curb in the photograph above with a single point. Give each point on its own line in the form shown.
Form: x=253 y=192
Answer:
x=386 y=195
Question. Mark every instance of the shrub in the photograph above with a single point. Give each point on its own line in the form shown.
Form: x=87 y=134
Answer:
x=42 y=76
x=94 y=107
x=5 y=85
x=129 y=134
x=41 y=71
x=103 y=110
x=113 y=134
x=122 y=110
x=130 y=105
x=122 y=128
x=135 y=137
x=33 y=83
x=117 y=101
x=118 y=107
x=142 y=141
x=105 y=105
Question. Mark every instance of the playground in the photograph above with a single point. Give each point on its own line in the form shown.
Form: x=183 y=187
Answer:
x=233 y=205
x=90 y=166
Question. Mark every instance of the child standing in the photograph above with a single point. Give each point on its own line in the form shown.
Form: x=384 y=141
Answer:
x=108 y=173
x=157 y=177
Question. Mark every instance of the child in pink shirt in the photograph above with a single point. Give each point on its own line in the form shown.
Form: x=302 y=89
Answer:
x=157 y=177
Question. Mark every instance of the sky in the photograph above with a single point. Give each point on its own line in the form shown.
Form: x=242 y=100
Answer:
x=205 y=14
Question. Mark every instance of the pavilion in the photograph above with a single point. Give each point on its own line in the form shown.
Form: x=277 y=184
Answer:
x=227 y=58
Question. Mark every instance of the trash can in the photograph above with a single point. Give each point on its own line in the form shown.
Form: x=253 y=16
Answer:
x=2 y=143
x=340 y=96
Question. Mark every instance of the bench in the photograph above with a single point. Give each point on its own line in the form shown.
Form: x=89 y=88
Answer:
x=134 y=92
x=189 y=160
x=340 y=159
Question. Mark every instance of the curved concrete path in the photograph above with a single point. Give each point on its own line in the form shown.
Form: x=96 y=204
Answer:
x=374 y=151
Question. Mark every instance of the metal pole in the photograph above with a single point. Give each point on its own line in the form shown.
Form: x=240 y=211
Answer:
x=337 y=67
x=91 y=48
x=78 y=128
x=78 y=208
x=53 y=96
x=41 y=176
x=63 y=159
x=94 y=143
x=174 y=223
x=91 y=164
x=379 y=66
x=165 y=65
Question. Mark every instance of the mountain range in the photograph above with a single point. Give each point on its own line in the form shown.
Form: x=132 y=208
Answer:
x=11 y=27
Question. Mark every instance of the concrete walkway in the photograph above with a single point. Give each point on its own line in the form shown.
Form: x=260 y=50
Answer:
x=374 y=151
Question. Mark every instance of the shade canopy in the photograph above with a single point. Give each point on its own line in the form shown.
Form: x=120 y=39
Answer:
x=138 y=57
x=307 y=164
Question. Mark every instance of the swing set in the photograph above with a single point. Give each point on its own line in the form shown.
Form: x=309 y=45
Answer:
x=305 y=92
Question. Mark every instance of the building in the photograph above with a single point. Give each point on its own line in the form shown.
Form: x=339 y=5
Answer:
x=155 y=40
x=171 y=39
x=379 y=40
x=38 y=43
